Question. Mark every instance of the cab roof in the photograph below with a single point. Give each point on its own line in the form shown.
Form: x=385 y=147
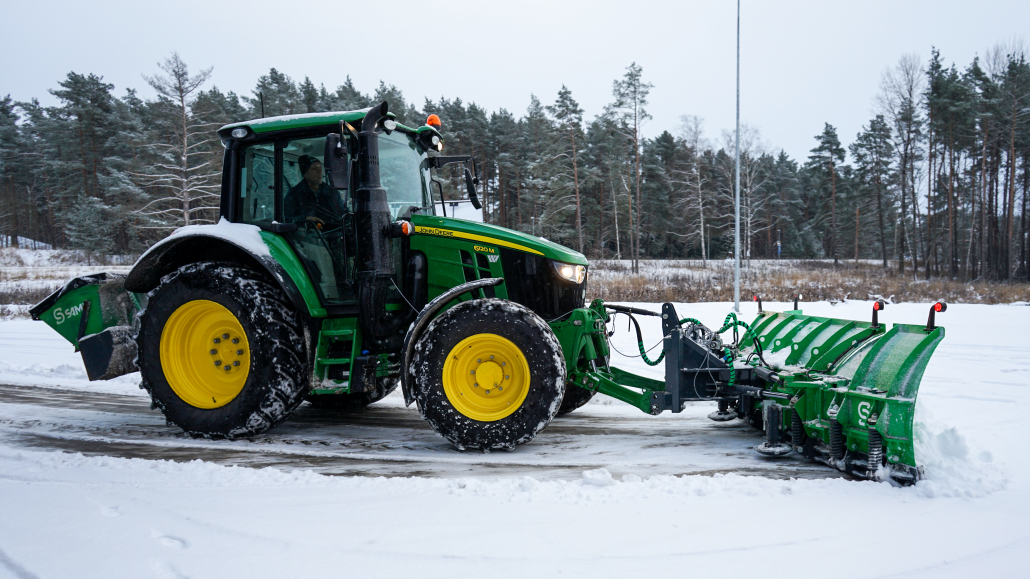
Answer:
x=257 y=127
x=298 y=121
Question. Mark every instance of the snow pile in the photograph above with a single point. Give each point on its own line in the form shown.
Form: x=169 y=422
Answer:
x=952 y=467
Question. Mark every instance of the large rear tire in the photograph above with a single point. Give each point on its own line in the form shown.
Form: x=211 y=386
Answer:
x=488 y=374
x=221 y=351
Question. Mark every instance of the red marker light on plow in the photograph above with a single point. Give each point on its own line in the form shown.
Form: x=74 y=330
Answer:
x=931 y=323
x=877 y=306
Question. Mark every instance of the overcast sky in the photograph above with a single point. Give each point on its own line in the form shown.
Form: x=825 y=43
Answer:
x=803 y=63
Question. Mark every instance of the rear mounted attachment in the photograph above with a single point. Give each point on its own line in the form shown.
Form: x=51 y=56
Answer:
x=937 y=307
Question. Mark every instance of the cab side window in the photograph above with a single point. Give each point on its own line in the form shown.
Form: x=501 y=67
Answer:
x=257 y=191
x=324 y=239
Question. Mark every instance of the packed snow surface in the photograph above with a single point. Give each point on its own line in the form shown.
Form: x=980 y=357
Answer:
x=628 y=510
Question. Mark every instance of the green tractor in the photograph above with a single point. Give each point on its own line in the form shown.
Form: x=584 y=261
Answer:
x=332 y=278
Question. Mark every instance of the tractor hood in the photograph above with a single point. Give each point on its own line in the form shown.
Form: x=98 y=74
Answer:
x=494 y=235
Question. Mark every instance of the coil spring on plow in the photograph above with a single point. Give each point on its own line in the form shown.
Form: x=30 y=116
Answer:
x=836 y=440
x=875 y=459
x=797 y=429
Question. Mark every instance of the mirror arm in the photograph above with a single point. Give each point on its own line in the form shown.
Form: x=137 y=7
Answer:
x=439 y=161
x=439 y=187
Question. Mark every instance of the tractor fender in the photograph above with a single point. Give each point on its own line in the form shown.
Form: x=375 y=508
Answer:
x=422 y=321
x=176 y=251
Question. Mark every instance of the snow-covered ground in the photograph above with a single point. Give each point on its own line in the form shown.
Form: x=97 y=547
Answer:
x=604 y=492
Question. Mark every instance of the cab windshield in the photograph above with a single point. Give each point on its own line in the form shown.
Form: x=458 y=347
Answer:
x=403 y=172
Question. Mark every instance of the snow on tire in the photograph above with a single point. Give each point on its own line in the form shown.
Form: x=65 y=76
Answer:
x=273 y=378
x=472 y=410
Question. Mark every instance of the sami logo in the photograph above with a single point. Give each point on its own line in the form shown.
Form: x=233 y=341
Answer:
x=67 y=313
x=484 y=249
x=864 y=408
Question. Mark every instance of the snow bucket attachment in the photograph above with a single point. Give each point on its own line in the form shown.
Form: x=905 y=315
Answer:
x=842 y=392
x=96 y=314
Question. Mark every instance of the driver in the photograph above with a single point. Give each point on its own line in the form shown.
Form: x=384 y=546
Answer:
x=311 y=199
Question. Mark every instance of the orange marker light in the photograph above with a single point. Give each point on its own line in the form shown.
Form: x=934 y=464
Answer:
x=433 y=121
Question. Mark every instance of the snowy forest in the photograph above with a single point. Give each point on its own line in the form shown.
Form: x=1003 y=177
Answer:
x=934 y=186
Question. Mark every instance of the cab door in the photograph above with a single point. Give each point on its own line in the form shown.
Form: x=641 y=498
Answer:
x=274 y=188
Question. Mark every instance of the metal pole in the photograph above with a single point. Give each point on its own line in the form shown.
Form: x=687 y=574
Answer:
x=736 y=186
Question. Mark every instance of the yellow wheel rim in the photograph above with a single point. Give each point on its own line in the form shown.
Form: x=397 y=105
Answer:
x=486 y=377
x=205 y=354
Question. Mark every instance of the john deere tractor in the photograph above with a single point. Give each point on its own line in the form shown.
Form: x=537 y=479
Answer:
x=334 y=275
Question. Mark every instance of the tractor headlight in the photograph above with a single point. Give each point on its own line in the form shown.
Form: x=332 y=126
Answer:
x=569 y=272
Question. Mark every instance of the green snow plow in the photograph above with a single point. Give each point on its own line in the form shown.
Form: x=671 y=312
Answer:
x=332 y=278
x=838 y=391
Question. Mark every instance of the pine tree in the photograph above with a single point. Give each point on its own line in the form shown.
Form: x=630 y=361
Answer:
x=569 y=120
x=827 y=155
x=89 y=227
x=873 y=153
x=12 y=174
x=275 y=94
x=630 y=113
x=349 y=98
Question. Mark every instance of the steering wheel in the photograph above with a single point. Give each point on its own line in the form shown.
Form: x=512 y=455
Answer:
x=325 y=228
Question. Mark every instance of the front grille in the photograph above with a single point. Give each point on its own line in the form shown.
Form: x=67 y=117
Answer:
x=531 y=281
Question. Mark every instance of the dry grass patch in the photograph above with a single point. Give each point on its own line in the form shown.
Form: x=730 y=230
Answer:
x=689 y=281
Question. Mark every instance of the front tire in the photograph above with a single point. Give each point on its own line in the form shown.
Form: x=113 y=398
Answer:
x=221 y=351
x=488 y=374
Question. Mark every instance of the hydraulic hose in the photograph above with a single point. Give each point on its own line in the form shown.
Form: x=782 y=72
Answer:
x=640 y=344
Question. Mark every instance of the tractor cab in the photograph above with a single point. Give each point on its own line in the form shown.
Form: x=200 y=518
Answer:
x=284 y=183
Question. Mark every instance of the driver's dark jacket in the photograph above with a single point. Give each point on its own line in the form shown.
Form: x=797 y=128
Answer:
x=301 y=202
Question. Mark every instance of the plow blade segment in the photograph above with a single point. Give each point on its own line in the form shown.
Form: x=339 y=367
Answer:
x=852 y=388
x=808 y=342
x=96 y=314
x=881 y=394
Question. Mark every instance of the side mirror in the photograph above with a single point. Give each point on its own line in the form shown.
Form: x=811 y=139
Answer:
x=470 y=184
x=336 y=164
